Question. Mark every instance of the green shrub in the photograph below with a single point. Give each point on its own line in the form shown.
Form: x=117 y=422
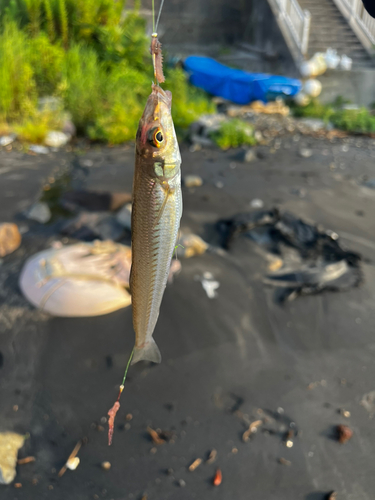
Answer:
x=17 y=84
x=188 y=103
x=83 y=85
x=95 y=61
x=233 y=134
x=47 y=61
x=352 y=120
x=34 y=129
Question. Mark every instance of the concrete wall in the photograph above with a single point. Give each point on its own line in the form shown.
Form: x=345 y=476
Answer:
x=358 y=86
x=201 y=21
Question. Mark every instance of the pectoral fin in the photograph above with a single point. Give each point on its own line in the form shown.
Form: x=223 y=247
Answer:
x=167 y=193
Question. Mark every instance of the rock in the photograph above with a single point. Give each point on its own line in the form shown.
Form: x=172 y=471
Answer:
x=87 y=163
x=5 y=140
x=40 y=212
x=198 y=140
x=257 y=203
x=93 y=200
x=193 y=181
x=91 y=225
x=250 y=156
x=34 y=148
x=124 y=216
x=258 y=136
x=305 y=152
x=69 y=128
x=56 y=139
x=10 y=443
x=106 y=465
x=314 y=124
x=190 y=245
x=10 y=238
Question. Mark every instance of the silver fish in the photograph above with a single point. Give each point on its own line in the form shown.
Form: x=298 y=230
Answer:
x=156 y=214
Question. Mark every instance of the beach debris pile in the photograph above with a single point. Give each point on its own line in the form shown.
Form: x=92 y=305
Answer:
x=310 y=259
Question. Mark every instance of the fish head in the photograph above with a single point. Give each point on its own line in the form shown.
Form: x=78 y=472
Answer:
x=156 y=137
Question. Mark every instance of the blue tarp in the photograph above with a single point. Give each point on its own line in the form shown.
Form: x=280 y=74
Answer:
x=237 y=85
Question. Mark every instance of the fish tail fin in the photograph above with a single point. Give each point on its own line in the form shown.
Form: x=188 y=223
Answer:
x=149 y=352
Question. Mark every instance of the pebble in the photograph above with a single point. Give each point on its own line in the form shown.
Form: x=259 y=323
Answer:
x=10 y=238
x=56 y=139
x=106 y=465
x=257 y=203
x=305 y=152
x=250 y=156
x=181 y=483
x=193 y=181
x=39 y=212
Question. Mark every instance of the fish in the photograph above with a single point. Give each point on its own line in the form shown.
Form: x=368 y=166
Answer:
x=156 y=215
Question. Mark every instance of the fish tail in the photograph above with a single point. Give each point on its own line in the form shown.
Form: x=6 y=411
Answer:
x=148 y=352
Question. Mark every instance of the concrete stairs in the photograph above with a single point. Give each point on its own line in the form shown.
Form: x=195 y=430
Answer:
x=330 y=29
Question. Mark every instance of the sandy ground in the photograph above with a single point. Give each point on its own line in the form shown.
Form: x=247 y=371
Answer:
x=226 y=360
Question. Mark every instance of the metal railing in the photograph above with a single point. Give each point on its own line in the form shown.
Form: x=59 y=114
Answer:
x=360 y=21
x=297 y=21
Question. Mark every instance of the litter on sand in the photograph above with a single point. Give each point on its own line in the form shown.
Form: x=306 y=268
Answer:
x=209 y=285
x=10 y=443
x=313 y=259
x=85 y=279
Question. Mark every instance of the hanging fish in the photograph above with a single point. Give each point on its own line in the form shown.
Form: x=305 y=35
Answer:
x=156 y=214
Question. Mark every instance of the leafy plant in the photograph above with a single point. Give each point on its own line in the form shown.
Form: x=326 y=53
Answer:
x=17 y=85
x=234 y=133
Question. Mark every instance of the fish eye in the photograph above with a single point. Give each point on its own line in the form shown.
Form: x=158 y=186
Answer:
x=158 y=137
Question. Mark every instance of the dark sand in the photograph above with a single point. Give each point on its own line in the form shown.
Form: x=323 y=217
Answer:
x=238 y=349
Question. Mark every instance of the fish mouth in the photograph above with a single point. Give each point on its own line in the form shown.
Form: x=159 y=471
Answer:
x=159 y=94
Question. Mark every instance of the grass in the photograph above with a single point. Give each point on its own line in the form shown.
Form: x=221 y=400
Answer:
x=90 y=56
x=351 y=120
x=233 y=134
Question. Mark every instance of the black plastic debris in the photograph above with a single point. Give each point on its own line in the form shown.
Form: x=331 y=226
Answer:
x=93 y=201
x=311 y=259
x=88 y=226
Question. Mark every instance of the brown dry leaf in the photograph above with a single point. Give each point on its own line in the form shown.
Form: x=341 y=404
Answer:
x=284 y=461
x=218 y=478
x=26 y=460
x=156 y=439
x=195 y=464
x=344 y=433
x=332 y=496
x=252 y=428
x=212 y=456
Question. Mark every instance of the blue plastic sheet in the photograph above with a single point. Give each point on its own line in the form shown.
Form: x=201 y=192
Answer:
x=237 y=85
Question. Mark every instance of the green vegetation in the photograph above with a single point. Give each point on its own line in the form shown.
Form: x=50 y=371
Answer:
x=234 y=133
x=352 y=120
x=90 y=56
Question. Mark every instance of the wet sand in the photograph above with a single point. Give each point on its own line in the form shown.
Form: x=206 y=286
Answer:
x=226 y=360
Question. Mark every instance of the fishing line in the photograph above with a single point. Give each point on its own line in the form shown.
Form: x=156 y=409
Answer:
x=157 y=22
x=153 y=16
x=126 y=372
